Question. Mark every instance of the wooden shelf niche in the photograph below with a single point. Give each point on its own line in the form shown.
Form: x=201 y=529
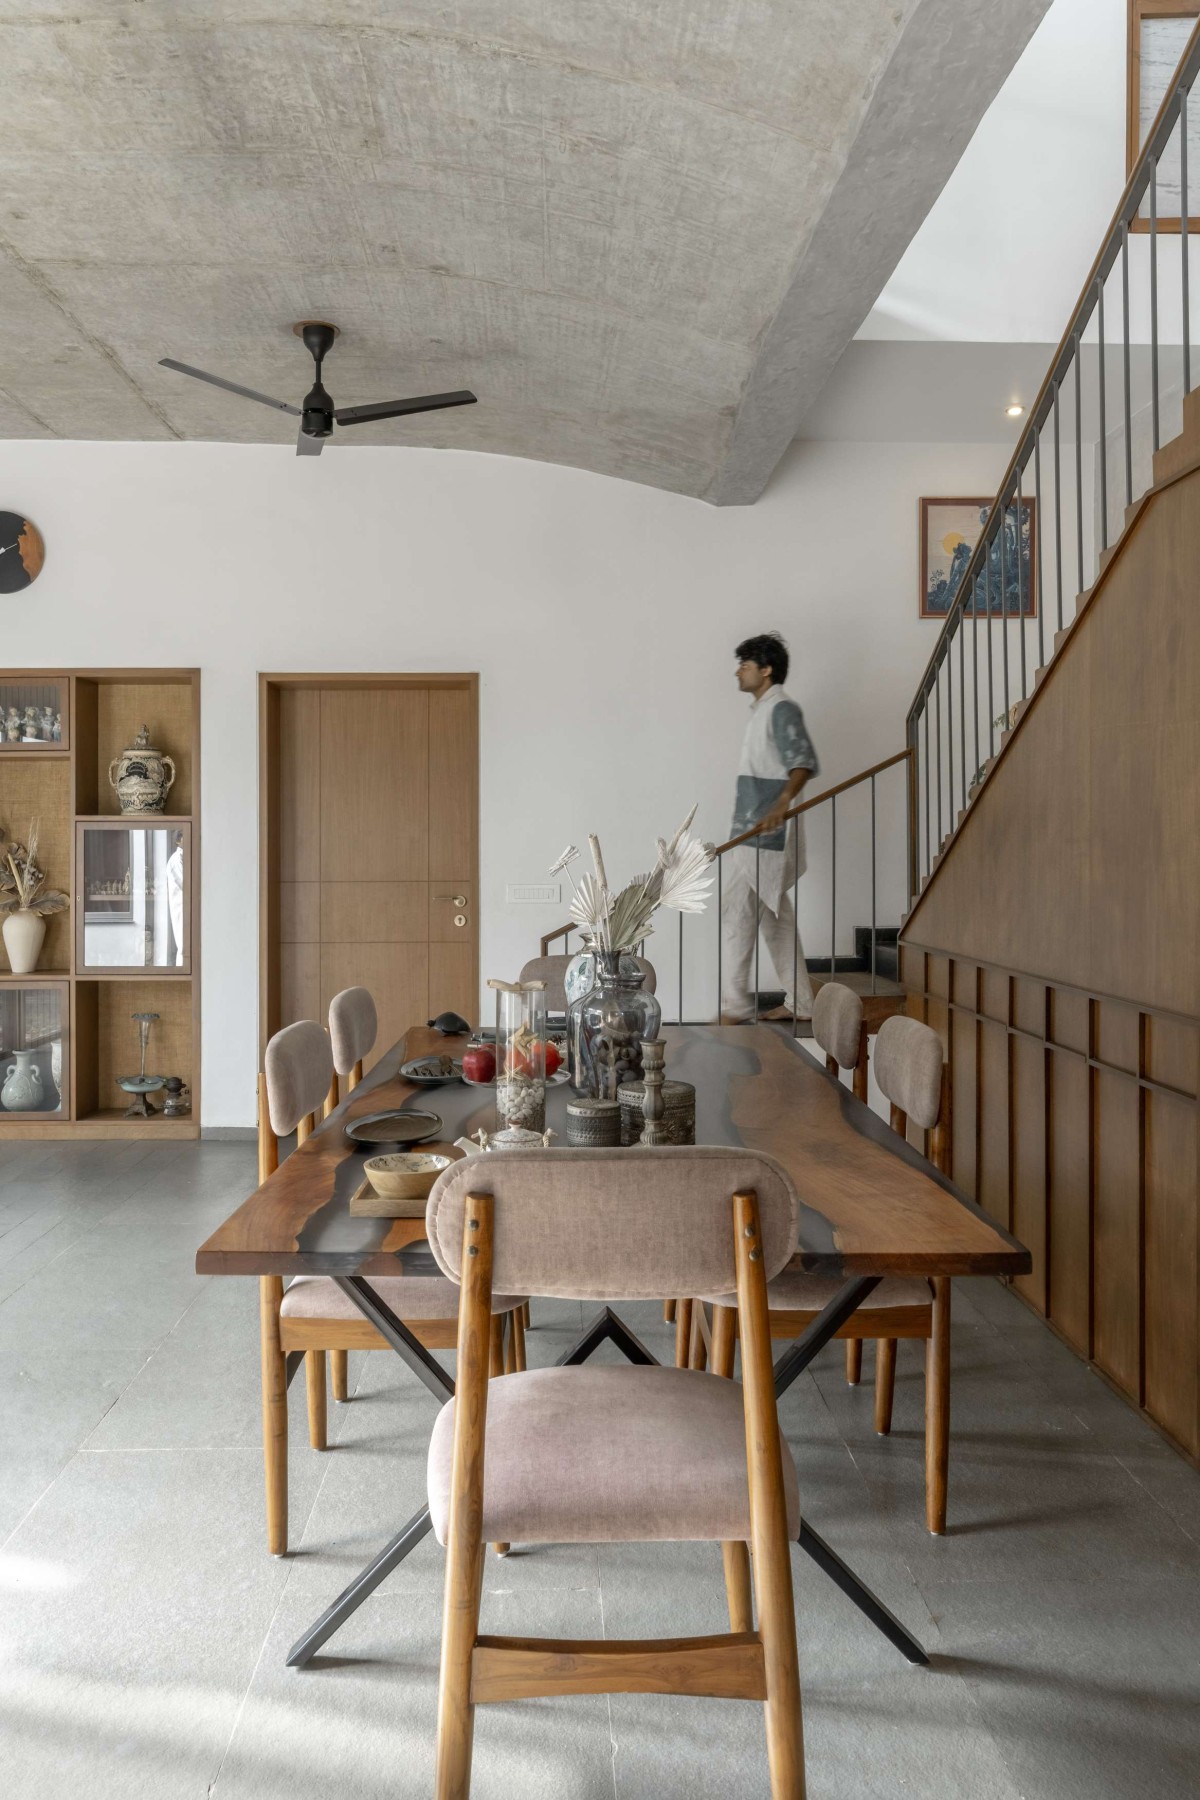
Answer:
x=65 y=787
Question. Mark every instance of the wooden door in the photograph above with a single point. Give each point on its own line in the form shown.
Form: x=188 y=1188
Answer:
x=373 y=880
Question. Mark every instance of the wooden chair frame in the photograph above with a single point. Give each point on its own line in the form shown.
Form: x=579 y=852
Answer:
x=315 y=1339
x=884 y=1324
x=743 y=1664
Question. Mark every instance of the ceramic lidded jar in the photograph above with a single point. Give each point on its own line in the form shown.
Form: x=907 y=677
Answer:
x=141 y=776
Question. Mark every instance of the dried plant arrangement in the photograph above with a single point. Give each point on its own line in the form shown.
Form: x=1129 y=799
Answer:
x=618 y=922
x=22 y=883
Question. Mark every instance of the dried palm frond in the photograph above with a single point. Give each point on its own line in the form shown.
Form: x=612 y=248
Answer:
x=22 y=881
x=620 y=922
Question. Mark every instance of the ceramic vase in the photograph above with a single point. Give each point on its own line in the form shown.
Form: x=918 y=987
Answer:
x=141 y=776
x=24 y=934
x=22 y=1090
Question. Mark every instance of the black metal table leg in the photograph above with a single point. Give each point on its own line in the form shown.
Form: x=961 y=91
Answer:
x=606 y=1327
x=364 y=1583
x=828 y=1560
x=425 y=1367
x=825 y=1326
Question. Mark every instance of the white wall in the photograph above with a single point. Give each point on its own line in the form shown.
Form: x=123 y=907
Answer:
x=601 y=616
x=1007 y=246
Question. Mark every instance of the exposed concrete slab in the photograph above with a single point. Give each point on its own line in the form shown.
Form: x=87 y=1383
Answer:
x=943 y=73
x=611 y=222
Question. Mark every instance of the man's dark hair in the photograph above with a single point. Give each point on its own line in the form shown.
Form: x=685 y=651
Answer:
x=768 y=650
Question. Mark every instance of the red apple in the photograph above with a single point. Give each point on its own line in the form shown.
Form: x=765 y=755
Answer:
x=479 y=1062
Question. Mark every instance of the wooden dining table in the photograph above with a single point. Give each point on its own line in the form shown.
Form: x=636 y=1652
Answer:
x=870 y=1206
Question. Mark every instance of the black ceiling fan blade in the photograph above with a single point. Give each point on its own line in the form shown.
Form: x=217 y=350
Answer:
x=232 y=387
x=397 y=409
x=306 y=445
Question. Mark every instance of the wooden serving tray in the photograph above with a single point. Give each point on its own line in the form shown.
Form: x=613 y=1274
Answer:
x=365 y=1203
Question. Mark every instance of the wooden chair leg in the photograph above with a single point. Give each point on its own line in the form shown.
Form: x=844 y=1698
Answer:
x=668 y=1312
x=854 y=1361
x=339 y=1368
x=526 y=1318
x=314 y=1376
x=885 y=1383
x=697 y=1349
x=737 y=1586
x=937 y=1408
x=274 y=1412
x=517 y=1328
x=683 y=1332
x=497 y=1359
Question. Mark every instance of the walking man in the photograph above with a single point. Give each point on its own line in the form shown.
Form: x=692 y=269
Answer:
x=759 y=876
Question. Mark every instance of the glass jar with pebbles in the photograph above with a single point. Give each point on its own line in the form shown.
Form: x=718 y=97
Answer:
x=520 y=1054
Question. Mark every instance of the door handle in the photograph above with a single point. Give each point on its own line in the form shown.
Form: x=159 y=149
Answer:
x=458 y=899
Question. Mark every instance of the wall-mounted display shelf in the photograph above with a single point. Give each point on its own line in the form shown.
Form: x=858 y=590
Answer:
x=130 y=942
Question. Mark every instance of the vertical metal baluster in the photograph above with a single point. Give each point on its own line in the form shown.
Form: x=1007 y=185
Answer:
x=1154 y=298
x=1039 y=586
x=1183 y=242
x=720 y=936
x=1125 y=356
x=1004 y=604
x=950 y=722
x=963 y=702
x=1020 y=521
x=1103 y=425
x=1078 y=468
x=987 y=589
x=795 y=950
x=1057 y=511
x=975 y=658
x=681 y=968
x=929 y=836
x=937 y=720
x=757 y=915
x=833 y=888
x=872 y=884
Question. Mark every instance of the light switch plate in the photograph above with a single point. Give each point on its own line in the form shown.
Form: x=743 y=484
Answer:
x=547 y=893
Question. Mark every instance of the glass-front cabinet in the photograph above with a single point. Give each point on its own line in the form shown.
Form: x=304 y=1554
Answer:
x=34 y=712
x=33 y=1049
x=133 y=911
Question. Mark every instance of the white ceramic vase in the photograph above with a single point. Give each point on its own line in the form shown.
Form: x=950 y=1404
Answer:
x=24 y=934
x=22 y=1090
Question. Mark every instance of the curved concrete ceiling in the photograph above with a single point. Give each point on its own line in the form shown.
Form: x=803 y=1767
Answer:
x=642 y=231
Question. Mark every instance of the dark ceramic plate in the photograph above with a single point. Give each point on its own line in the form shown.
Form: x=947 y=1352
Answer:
x=424 y=1072
x=393 y=1130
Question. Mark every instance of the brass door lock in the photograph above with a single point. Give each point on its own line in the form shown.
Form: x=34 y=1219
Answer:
x=460 y=919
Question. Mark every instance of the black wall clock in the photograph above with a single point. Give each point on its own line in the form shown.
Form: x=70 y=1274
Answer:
x=22 y=553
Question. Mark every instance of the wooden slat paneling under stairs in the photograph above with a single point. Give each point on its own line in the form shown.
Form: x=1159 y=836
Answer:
x=1056 y=947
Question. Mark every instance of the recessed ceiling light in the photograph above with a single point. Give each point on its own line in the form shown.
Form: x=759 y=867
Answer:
x=1015 y=411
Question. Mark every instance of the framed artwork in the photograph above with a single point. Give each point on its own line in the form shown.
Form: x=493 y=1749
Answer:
x=950 y=530
x=1158 y=35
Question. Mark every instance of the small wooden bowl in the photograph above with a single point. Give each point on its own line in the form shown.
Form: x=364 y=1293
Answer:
x=405 y=1175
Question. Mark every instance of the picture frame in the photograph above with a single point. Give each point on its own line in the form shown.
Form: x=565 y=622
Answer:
x=949 y=529
x=1158 y=30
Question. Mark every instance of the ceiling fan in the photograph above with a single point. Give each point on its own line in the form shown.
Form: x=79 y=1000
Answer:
x=317 y=414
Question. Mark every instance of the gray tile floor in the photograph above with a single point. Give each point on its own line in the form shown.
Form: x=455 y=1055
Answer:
x=144 y=1625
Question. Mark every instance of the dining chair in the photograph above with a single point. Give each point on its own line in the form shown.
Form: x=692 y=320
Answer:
x=839 y=1030
x=576 y=1454
x=312 y=1316
x=553 y=971
x=910 y=1073
x=353 y=1025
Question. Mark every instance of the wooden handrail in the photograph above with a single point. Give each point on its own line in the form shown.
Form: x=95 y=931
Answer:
x=754 y=831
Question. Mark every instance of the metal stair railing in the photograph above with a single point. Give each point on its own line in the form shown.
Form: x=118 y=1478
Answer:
x=952 y=724
x=829 y=797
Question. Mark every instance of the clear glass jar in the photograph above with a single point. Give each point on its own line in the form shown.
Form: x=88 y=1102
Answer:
x=607 y=1027
x=521 y=1054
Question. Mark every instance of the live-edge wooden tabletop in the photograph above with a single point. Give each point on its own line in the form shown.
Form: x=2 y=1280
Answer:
x=871 y=1204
